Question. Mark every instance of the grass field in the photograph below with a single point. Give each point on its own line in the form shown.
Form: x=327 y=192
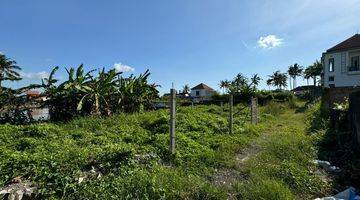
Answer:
x=126 y=156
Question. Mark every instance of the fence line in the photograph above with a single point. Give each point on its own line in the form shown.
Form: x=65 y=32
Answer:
x=172 y=107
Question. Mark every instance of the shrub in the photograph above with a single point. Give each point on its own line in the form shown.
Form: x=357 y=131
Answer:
x=274 y=108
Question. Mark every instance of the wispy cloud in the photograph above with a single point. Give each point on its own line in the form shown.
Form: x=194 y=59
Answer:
x=119 y=67
x=270 y=41
x=34 y=75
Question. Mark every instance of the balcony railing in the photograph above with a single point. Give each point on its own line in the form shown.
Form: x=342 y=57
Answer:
x=354 y=68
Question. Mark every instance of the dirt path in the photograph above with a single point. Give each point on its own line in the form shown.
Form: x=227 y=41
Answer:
x=227 y=177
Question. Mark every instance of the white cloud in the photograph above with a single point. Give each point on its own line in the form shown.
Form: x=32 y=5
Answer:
x=35 y=75
x=123 y=68
x=270 y=41
x=1 y=53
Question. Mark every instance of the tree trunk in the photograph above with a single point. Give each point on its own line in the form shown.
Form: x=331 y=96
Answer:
x=1 y=82
x=96 y=108
x=314 y=78
x=290 y=82
x=294 y=84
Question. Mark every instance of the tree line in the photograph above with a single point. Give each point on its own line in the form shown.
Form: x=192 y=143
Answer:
x=278 y=79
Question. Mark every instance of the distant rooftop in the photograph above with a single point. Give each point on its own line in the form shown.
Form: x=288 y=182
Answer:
x=350 y=43
x=202 y=86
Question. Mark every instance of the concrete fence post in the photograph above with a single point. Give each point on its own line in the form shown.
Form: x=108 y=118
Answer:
x=254 y=110
x=172 y=120
x=231 y=117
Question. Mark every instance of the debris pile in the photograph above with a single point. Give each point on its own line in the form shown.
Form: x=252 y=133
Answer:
x=17 y=190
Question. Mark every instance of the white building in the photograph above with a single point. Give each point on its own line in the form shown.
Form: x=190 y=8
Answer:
x=341 y=64
x=202 y=92
x=341 y=71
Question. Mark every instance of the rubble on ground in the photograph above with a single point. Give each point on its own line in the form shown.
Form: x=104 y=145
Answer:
x=93 y=173
x=17 y=190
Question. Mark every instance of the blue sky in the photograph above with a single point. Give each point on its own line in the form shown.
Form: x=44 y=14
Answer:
x=180 y=41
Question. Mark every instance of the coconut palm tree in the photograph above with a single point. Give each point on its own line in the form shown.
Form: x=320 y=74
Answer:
x=294 y=71
x=307 y=75
x=269 y=82
x=255 y=80
x=186 y=89
x=314 y=71
x=278 y=79
x=8 y=70
x=224 y=85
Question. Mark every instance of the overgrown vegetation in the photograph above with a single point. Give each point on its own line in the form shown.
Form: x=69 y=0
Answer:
x=95 y=92
x=336 y=144
x=130 y=151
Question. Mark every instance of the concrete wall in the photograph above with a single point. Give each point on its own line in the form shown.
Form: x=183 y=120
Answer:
x=343 y=78
x=336 y=95
x=354 y=114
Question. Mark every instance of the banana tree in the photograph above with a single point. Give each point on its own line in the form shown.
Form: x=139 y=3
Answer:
x=135 y=93
x=98 y=91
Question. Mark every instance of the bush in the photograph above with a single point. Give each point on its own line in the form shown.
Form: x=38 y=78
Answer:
x=274 y=108
x=264 y=97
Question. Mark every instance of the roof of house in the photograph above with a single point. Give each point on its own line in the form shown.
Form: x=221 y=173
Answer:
x=32 y=93
x=350 y=43
x=202 y=86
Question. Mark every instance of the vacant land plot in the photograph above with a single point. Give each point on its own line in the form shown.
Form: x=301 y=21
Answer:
x=126 y=156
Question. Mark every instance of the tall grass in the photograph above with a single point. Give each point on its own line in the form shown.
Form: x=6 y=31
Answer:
x=284 y=168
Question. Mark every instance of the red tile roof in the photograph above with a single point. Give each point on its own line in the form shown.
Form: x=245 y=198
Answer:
x=32 y=93
x=351 y=43
x=202 y=86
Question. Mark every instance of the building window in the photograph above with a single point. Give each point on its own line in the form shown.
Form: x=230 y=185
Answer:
x=331 y=78
x=354 y=63
x=331 y=85
x=331 y=64
x=197 y=93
